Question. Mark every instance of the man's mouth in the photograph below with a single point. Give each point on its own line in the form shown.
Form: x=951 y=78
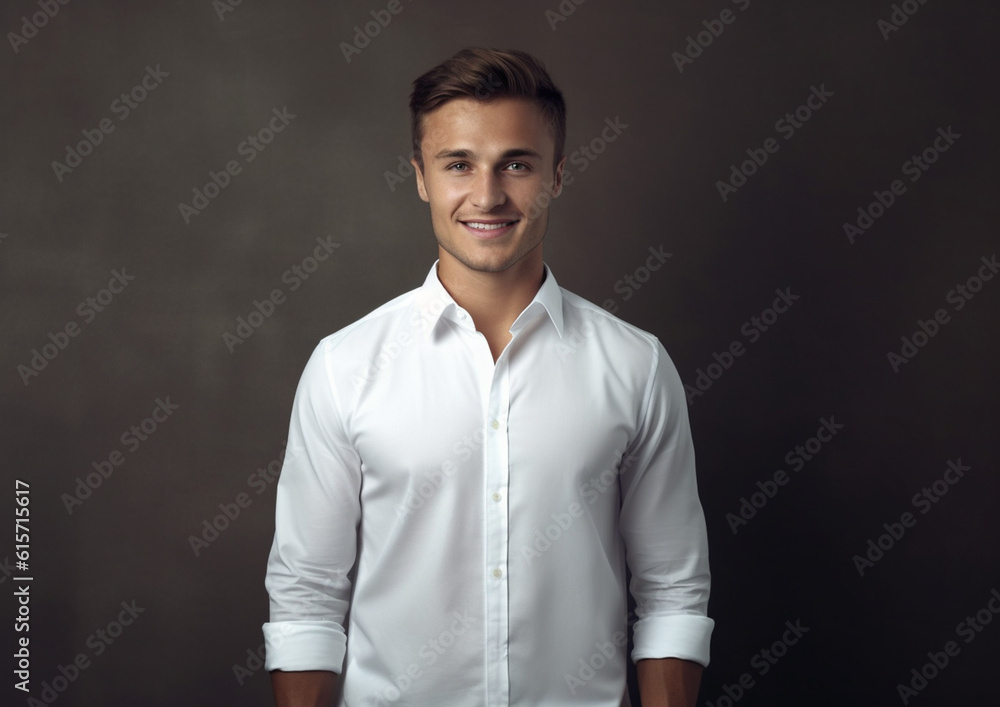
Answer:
x=493 y=228
x=489 y=225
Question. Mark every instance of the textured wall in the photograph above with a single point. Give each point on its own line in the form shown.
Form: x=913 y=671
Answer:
x=817 y=427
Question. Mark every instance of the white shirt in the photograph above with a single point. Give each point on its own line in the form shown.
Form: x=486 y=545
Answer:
x=488 y=508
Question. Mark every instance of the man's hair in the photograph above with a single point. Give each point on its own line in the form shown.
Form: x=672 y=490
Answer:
x=485 y=75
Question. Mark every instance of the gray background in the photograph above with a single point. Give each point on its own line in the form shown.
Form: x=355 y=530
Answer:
x=655 y=185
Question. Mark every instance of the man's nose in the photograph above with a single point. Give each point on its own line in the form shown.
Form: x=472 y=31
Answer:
x=487 y=191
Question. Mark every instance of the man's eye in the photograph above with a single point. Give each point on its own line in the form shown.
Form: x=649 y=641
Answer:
x=459 y=167
x=518 y=166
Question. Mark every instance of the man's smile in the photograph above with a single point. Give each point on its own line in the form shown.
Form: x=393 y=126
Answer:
x=489 y=228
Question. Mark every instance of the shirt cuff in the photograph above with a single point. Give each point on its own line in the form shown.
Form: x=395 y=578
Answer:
x=685 y=636
x=304 y=645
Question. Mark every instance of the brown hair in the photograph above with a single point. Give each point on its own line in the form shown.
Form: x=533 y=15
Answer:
x=486 y=74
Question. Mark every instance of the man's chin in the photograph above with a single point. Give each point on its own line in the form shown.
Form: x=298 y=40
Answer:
x=482 y=262
x=486 y=265
x=487 y=257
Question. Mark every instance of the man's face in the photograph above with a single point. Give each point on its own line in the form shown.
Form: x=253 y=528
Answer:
x=488 y=175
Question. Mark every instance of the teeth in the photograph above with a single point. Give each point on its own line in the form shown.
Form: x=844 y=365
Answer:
x=489 y=226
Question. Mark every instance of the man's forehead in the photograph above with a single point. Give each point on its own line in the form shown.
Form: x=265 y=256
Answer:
x=462 y=153
x=517 y=119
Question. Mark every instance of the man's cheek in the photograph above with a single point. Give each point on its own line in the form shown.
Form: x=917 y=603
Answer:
x=537 y=205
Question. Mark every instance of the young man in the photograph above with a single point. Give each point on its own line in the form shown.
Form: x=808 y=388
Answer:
x=469 y=464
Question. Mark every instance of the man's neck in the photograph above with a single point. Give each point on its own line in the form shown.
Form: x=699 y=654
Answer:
x=494 y=300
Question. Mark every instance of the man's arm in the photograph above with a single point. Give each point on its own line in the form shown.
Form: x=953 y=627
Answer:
x=668 y=682
x=307 y=688
x=317 y=512
x=663 y=526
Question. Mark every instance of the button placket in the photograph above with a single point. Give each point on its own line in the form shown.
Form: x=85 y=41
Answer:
x=496 y=514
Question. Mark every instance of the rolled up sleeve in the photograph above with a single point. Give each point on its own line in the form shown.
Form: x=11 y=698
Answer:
x=315 y=538
x=663 y=526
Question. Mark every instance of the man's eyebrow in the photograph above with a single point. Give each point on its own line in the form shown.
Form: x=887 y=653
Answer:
x=469 y=154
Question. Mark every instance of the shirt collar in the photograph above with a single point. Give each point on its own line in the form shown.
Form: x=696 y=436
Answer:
x=434 y=302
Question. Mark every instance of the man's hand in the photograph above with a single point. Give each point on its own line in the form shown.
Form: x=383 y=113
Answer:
x=668 y=682
x=307 y=688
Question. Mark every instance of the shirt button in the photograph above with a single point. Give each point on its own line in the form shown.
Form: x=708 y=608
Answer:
x=496 y=497
x=496 y=425
x=498 y=573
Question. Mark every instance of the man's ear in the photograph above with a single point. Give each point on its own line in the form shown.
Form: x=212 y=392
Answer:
x=557 y=182
x=421 y=187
